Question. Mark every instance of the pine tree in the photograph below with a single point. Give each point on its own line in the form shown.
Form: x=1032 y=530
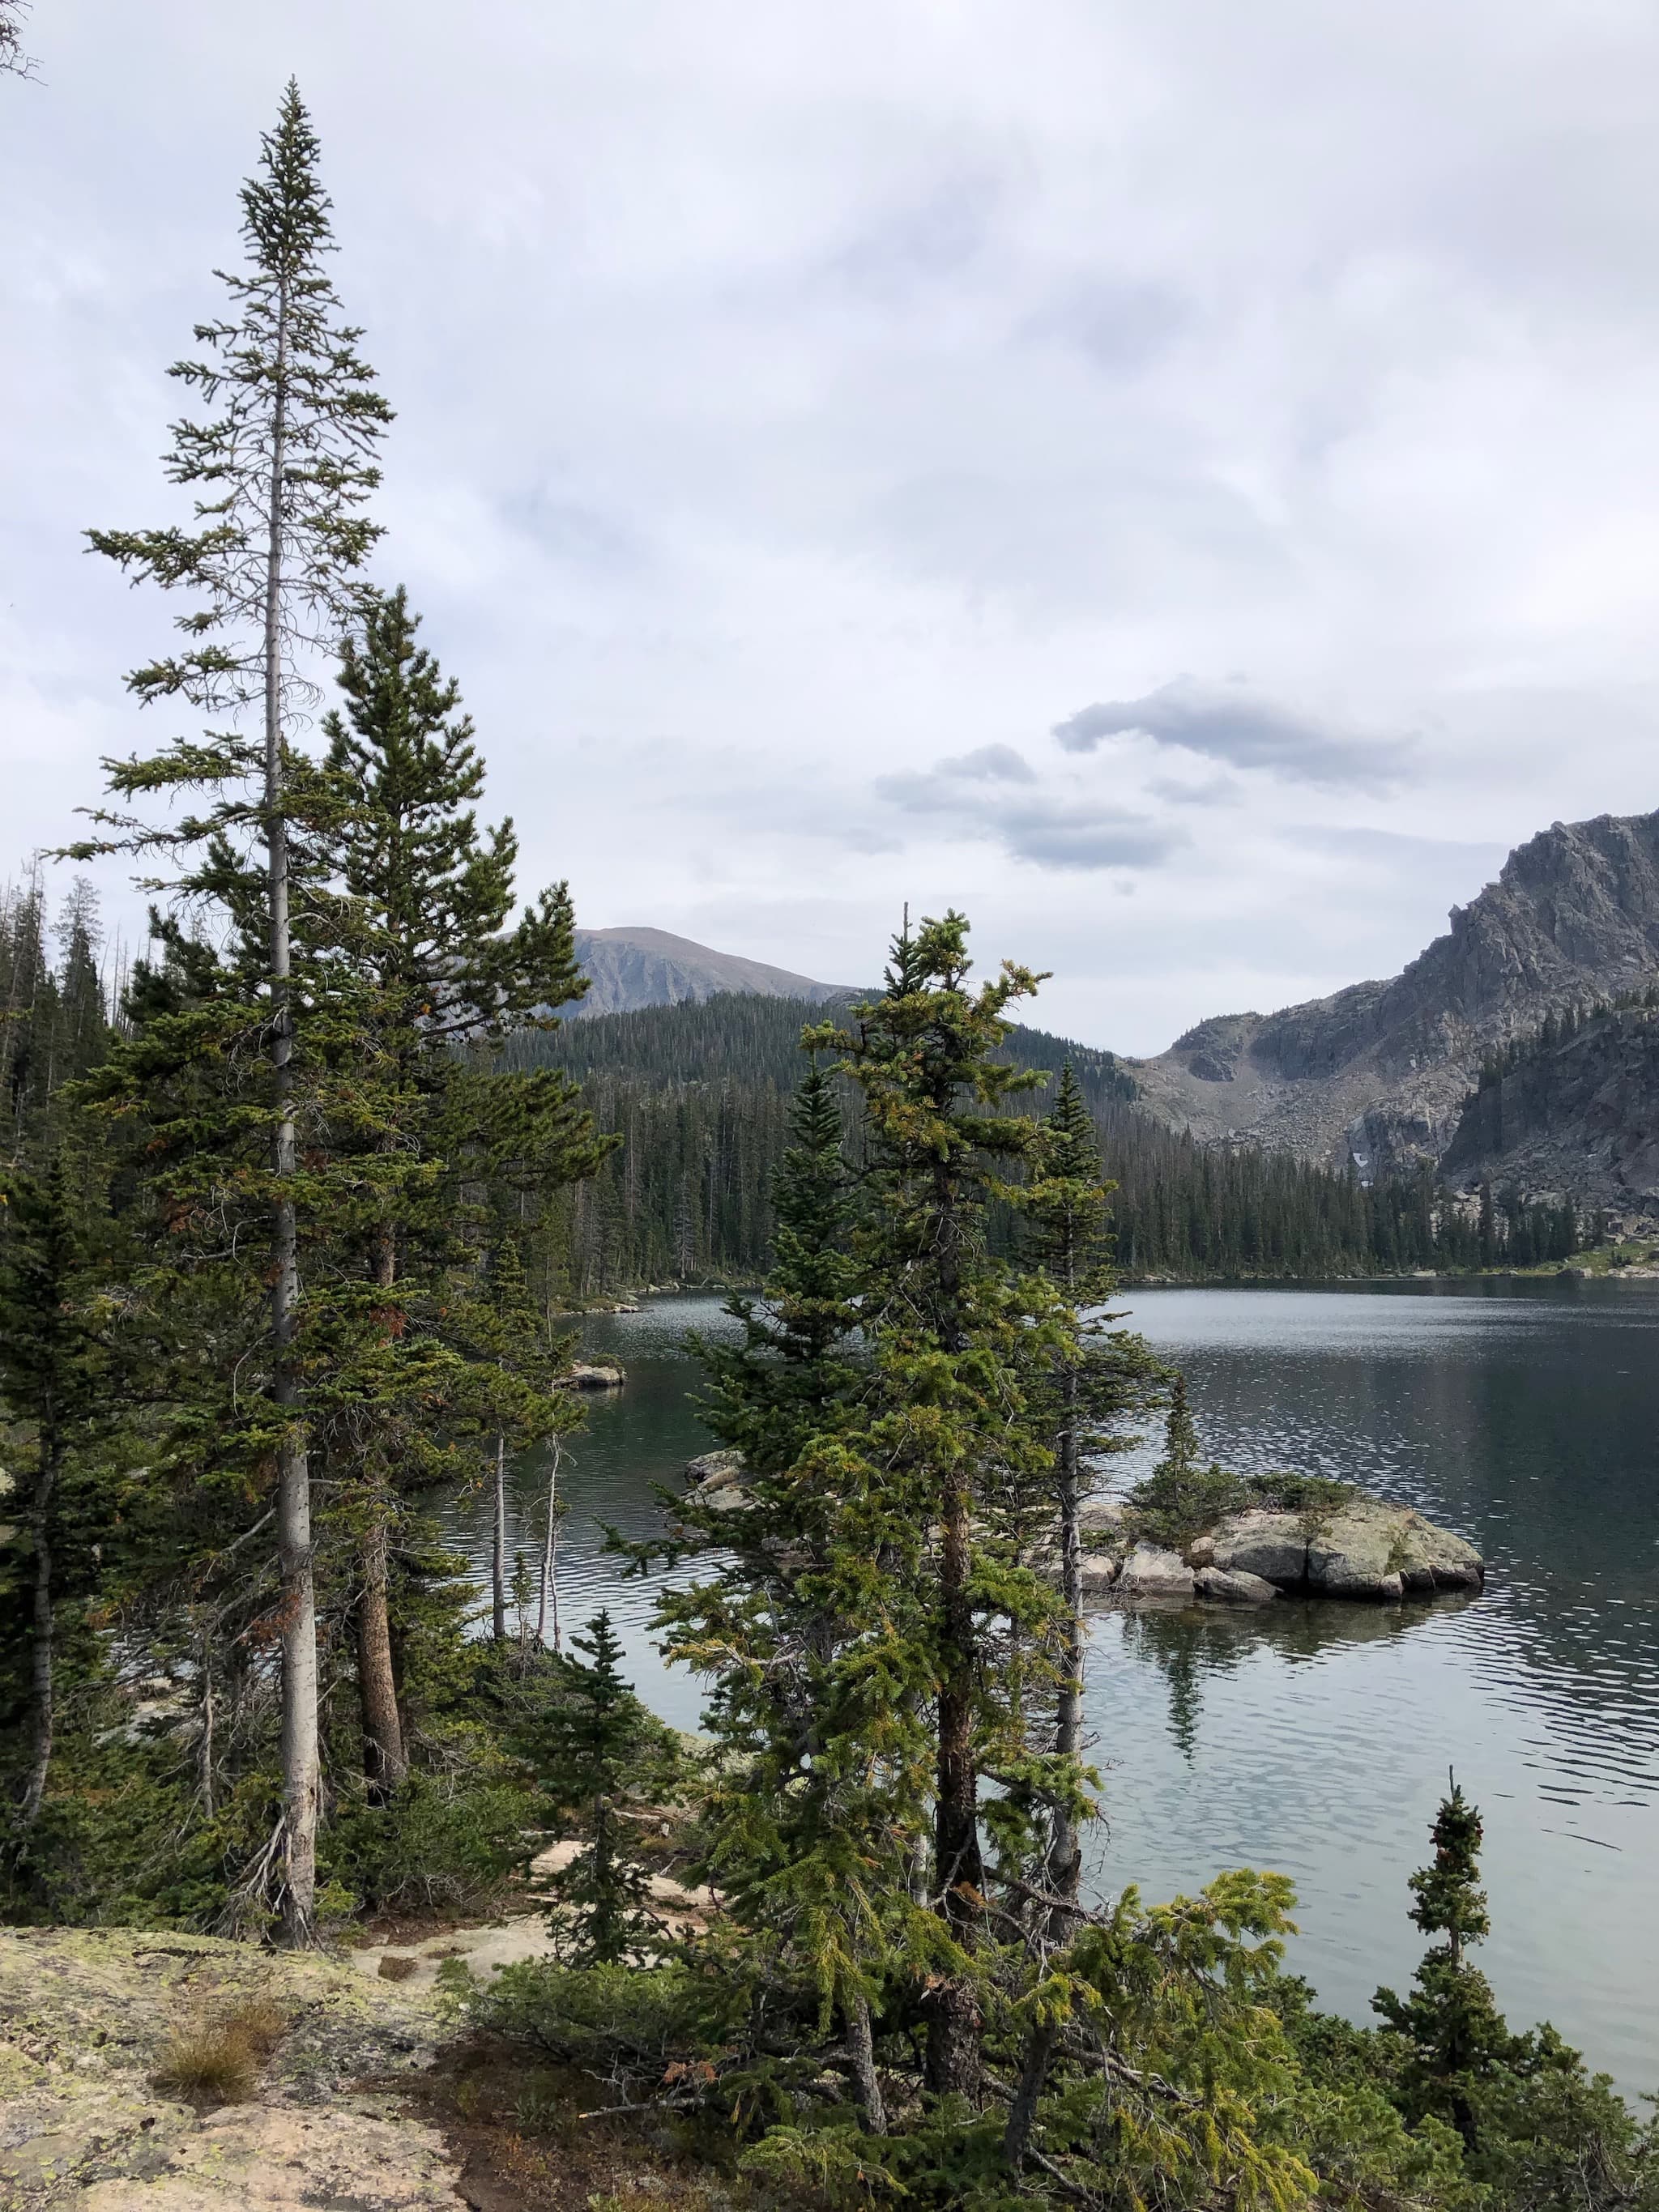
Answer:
x=947 y=1419
x=800 y=1822
x=603 y=1914
x=281 y=473
x=1182 y=1496
x=436 y=977
x=1095 y=1378
x=55 y=1373
x=1456 y=2035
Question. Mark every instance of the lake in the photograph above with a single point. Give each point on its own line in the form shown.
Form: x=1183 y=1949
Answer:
x=1315 y=1739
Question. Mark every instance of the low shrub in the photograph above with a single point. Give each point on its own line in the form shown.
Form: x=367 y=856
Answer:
x=444 y=1843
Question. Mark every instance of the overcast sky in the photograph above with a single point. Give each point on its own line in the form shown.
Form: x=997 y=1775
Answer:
x=1179 y=481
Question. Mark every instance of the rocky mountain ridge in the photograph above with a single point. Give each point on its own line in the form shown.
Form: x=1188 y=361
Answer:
x=1379 y=1072
x=630 y=967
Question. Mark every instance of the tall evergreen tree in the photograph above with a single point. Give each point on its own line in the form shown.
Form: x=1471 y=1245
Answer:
x=281 y=473
x=438 y=976
x=55 y=1375
x=1095 y=1378
x=949 y=1421
x=786 y=1625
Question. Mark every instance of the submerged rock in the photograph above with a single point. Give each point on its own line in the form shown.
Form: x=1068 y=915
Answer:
x=1151 y=1572
x=1225 y=1586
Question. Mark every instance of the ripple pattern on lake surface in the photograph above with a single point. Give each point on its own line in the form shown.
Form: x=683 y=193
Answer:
x=1315 y=1738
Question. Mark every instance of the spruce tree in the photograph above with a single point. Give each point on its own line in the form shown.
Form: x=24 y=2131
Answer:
x=436 y=977
x=1181 y=1495
x=804 y=1831
x=1456 y=2035
x=281 y=473
x=603 y=1914
x=948 y=1420
x=1095 y=1378
x=55 y=1374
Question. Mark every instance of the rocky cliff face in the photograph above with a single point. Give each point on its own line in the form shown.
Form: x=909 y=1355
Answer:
x=1379 y=1071
x=1580 y=1117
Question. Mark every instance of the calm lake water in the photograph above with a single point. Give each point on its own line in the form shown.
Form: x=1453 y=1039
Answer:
x=1315 y=1739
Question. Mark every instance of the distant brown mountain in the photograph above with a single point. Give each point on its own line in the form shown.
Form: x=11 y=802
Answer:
x=1379 y=1073
x=630 y=967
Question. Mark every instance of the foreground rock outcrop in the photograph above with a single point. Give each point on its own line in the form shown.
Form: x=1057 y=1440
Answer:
x=88 y=2017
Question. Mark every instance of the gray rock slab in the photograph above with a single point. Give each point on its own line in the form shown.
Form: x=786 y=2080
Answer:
x=1271 y=1544
x=1151 y=1572
x=1223 y=1586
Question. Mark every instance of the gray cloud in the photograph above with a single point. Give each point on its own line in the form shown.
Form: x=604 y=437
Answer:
x=806 y=404
x=1061 y=836
x=1048 y=830
x=1227 y=722
x=993 y=764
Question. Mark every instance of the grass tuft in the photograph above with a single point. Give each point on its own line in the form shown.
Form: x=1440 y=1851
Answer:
x=218 y=2061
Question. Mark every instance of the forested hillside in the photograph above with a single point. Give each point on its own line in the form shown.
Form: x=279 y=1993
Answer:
x=699 y=1092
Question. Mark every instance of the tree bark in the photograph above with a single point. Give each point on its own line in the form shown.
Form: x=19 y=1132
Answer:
x=300 y=1768
x=385 y=1762
x=204 y=1748
x=1065 y=1865
x=953 y=2030
x=550 y=1555
x=40 y=1682
x=498 y=1558
x=860 y=2049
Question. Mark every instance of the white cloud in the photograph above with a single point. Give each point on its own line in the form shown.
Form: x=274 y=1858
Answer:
x=790 y=401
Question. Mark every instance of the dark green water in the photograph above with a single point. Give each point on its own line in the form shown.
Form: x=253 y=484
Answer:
x=1315 y=1739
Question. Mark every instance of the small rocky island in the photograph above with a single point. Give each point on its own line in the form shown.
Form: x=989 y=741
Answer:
x=1360 y=1549
x=1332 y=1542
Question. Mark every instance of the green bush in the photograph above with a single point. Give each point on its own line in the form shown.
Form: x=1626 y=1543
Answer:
x=443 y=1844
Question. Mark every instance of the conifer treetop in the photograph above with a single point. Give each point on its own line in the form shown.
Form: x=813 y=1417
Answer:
x=281 y=467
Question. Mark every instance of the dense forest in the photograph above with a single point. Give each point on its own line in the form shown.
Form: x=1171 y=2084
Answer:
x=698 y=1093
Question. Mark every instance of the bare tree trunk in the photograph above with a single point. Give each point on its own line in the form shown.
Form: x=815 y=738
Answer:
x=1065 y=1849
x=40 y=1687
x=301 y=1769
x=385 y=1762
x=1064 y=1866
x=550 y=1555
x=498 y=1560
x=204 y=1748
x=860 y=2049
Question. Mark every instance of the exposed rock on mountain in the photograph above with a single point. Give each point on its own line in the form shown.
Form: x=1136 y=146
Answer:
x=1379 y=1072
x=630 y=967
x=1579 y=1116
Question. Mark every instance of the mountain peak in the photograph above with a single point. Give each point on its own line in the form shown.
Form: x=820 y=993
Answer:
x=633 y=966
x=1379 y=1071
